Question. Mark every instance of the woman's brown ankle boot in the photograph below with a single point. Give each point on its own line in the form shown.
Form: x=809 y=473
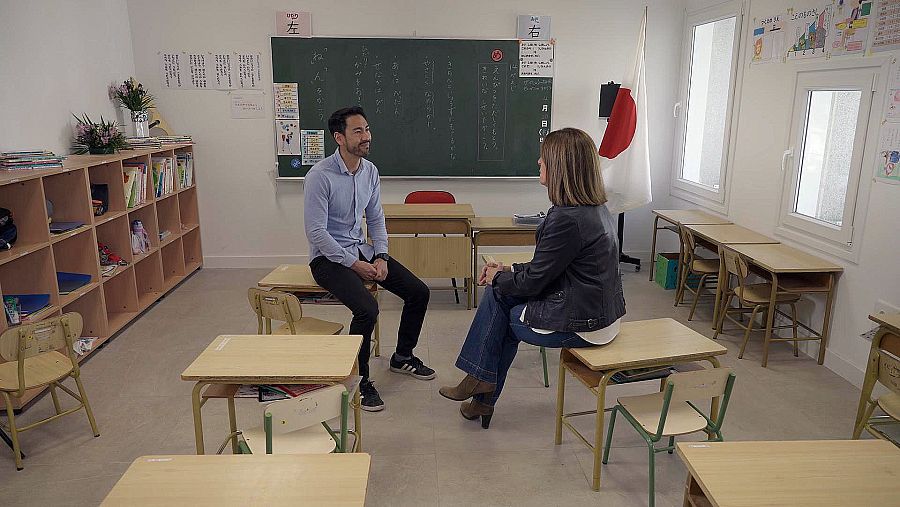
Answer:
x=470 y=386
x=473 y=409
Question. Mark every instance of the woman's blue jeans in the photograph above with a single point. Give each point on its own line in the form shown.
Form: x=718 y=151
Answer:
x=494 y=337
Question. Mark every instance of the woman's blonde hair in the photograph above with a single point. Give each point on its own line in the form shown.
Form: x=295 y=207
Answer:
x=573 y=169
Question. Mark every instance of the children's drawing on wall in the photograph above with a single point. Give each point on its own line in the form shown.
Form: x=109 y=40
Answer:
x=768 y=39
x=888 y=162
x=808 y=31
x=851 y=27
x=287 y=137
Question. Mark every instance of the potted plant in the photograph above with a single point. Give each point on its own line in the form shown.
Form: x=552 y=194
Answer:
x=132 y=96
x=98 y=138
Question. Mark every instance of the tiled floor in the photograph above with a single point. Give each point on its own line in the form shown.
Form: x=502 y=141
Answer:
x=423 y=452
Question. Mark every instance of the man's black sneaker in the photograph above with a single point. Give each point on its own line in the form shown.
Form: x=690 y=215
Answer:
x=412 y=366
x=369 y=401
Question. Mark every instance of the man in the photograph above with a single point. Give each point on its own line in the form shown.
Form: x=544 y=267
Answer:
x=337 y=191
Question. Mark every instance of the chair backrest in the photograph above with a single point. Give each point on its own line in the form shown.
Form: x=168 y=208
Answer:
x=29 y=340
x=430 y=197
x=306 y=410
x=699 y=384
x=736 y=265
x=272 y=305
x=889 y=370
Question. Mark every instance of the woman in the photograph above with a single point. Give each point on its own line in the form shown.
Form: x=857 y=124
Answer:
x=569 y=295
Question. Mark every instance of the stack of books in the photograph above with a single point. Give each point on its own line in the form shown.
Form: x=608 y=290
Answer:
x=35 y=159
x=180 y=139
x=184 y=163
x=163 y=175
x=135 y=174
x=141 y=143
x=533 y=219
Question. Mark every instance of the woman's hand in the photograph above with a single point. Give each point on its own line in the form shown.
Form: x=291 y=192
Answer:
x=489 y=270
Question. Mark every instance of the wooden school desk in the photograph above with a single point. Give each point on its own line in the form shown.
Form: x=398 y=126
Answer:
x=887 y=338
x=273 y=359
x=793 y=270
x=678 y=217
x=432 y=256
x=639 y=344
x=497 y=231
x=726 y=234
x=247 y=479
x=297 y=279
x=858 y=473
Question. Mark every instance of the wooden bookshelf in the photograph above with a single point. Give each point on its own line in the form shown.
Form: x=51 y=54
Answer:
x=107 y=303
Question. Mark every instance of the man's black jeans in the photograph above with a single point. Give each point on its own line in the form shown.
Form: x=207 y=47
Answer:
x=348 y=287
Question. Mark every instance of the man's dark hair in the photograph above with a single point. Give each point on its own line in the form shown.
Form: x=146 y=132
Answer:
x=338 y=120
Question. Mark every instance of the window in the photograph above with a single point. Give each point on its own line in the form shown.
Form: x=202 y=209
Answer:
x=825 y=159
x=704 y=109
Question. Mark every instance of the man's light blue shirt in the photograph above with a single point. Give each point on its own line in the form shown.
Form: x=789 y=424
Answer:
x=333 y=204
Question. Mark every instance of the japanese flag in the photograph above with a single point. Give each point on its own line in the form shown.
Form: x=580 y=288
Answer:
x=625 y=155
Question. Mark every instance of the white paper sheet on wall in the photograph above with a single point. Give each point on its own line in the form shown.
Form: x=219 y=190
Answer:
x=312 y=143
x=246 y=105
x=223 y=71
x=287 y=104
x=197 y=71
x=886 y=32
x=535 y=58
x=170 y=70
x=287 y=137
x=249 y=73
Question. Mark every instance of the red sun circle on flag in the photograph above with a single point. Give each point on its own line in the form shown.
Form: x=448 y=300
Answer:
x=496 y=55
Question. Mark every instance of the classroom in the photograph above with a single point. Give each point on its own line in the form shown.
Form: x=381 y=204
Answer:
x=683 y=208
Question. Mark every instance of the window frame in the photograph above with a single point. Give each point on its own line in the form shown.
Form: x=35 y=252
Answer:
x=715 y=199
x=843 y=241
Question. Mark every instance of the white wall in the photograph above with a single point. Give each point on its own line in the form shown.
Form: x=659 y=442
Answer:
x=250 y=220
x=765 y=107
x=58 y=57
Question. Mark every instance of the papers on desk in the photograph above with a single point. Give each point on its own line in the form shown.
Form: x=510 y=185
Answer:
x=526 y=219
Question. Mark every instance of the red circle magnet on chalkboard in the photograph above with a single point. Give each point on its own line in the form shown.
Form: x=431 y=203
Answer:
x=496 y=55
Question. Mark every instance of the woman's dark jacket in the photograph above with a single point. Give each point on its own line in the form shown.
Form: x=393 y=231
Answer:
x=573 y=282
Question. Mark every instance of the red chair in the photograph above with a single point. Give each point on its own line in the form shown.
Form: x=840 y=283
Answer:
x=433 y=197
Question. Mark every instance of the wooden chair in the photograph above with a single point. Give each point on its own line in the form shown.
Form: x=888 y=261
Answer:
x=752 y=298
x=706 y=269
x=884 y=368
x=670 y=413
x=299 y=425
x=39 y=355
x=433 y=197
x=272 y=305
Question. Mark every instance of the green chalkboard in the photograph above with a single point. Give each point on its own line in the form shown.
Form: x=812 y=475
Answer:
x=436 y=107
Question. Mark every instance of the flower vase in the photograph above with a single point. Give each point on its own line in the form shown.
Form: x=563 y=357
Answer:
x=101 y=150
x=141 y=121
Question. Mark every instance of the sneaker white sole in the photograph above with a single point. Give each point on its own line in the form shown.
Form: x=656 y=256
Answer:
x=413 y=375
x=379 y=408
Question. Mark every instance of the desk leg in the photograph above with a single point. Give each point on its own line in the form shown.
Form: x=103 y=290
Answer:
x=868 y=385
x=714 y=404
x=474 y=272
x=357 y=421
x=770 y=318
x=198 y=419
x=560 y=398
x=232 y=423
x=653 y=246
x=598 y=431
x=826 y=324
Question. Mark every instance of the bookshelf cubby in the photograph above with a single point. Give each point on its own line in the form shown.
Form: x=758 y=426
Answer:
x=106 y=303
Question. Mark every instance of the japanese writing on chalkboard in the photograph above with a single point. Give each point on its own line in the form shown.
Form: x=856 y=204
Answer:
x=492 y=90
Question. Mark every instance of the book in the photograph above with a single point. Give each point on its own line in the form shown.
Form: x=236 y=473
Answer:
x=70 y=282
x=61 y=227
x=525 y=219
x=640 y=374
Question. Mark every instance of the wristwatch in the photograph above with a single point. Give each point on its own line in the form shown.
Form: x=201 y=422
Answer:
x=382 y=256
